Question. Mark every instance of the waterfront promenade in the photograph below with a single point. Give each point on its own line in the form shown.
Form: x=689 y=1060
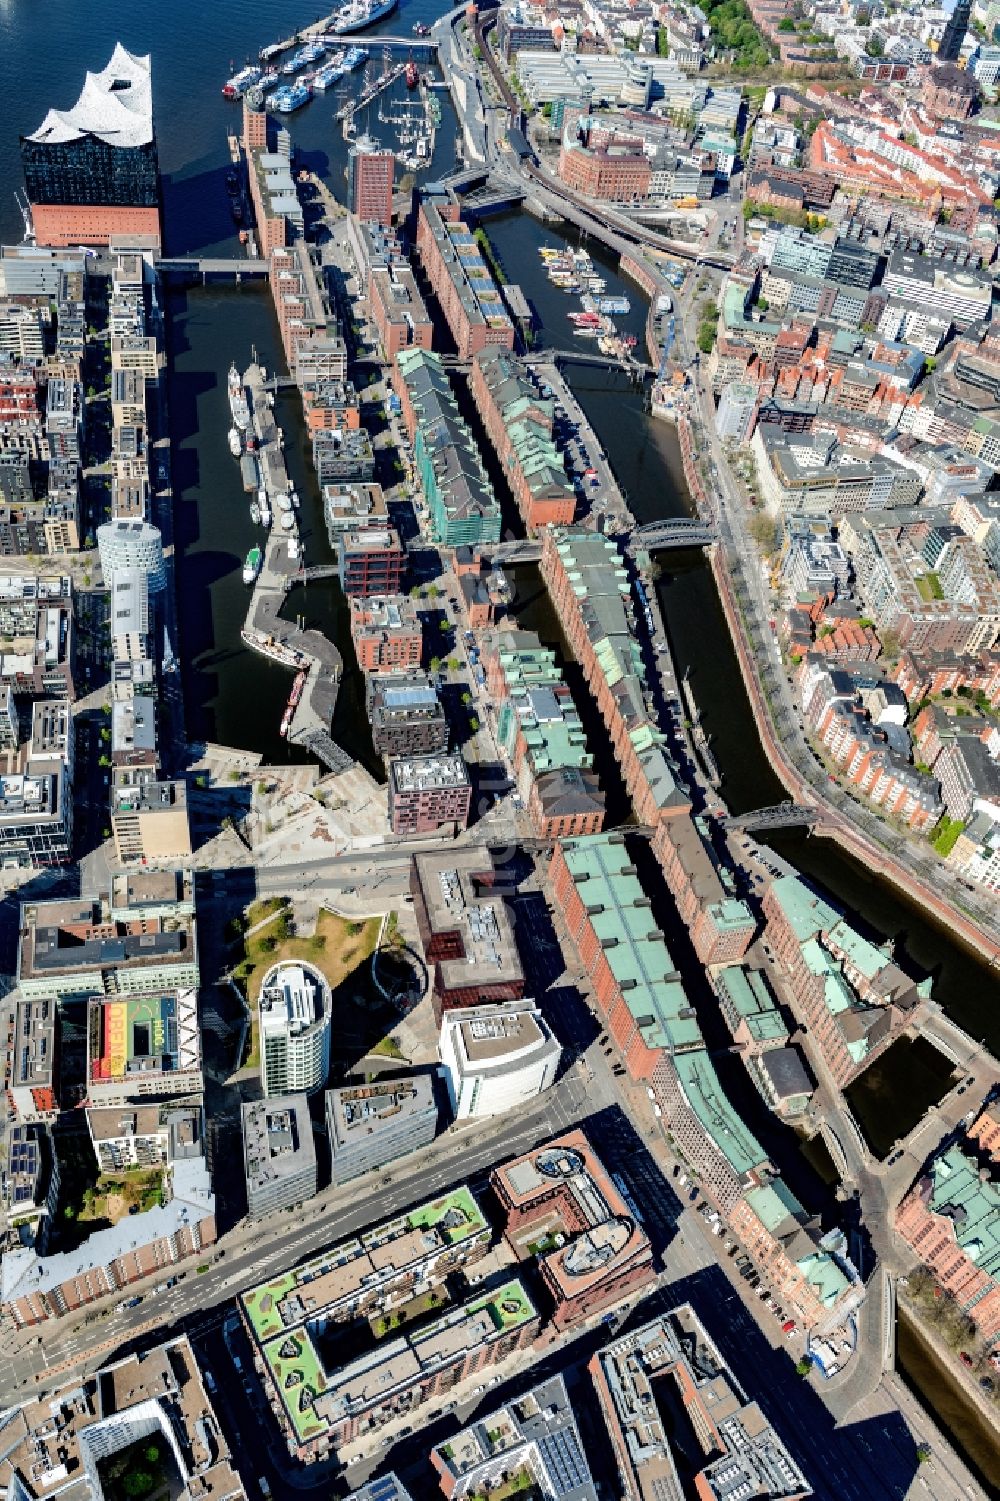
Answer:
x=265 y=631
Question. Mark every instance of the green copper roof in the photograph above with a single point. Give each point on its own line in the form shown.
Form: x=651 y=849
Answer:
x=807 y=914
x=704 y=1095
x=827 y=1279
x=774 y=1203
x=971 y=1203
x=633 y=945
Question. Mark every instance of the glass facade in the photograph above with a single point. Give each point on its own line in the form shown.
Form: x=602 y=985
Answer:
x=89 y=171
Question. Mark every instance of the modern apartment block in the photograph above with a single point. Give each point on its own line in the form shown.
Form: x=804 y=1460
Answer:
x=386 y=631
x=401 y=1375
x=32 y=1065
x=140 y=1135
x=36 y=625
x=369 y=1276
x=539 y=729
x=352 y=507
x=534 y=1441
x=741 y=1455
x=465 y=929
x=460 y=278
x=370 y=171
x=157 y=1396
x=370 y=561
x=34 y=1288
x=519 y=421
x=23 y=1195
x=143 y=1045
x=588 y=584
x=279 y=1154
x=620 y=946
x=138 y=938
x=406 y=715
x=457 y=491
x=398 y=310
x=310 y=331
x=384 y=1488
x=560 y=1197
x=36 y=795
x=296 y=1010
x=370 y=1125
x=149 y=820
x=428 y=792
x=497 y=1057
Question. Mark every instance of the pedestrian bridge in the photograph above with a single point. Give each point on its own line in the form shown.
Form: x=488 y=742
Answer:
x=787 y=815
x=679 y=531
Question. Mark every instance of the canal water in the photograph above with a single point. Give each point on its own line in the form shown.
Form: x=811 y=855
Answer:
x=46 y=50
x=645 y=456
x=929 y=1378
x=236 y=697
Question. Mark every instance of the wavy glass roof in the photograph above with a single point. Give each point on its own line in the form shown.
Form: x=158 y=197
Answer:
x=115 y=105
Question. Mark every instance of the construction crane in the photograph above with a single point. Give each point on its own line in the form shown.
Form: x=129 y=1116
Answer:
x=21 y=200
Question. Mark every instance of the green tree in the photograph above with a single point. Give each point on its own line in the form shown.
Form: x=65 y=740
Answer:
x=803 y=1367
x=138 y=1483
x=706 y=337
x=876 y=46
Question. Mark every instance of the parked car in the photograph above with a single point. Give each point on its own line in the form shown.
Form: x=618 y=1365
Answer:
x=788 y=1327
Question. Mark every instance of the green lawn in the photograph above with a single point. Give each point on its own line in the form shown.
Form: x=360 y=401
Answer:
x=261 y=1303
x=337 y=948
x=945 y=834
x=459 y=1198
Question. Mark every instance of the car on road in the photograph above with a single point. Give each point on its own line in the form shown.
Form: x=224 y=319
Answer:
x=965 y=1357
x=788 y=1327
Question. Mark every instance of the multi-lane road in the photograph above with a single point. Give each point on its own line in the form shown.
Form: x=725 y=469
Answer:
x=36 y=1361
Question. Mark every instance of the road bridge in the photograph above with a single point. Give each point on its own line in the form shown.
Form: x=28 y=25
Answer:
x=786 y=815
x=676 y=531
x=523 y=550
x=213 y=265
x=604 y=361
x=489 y=199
